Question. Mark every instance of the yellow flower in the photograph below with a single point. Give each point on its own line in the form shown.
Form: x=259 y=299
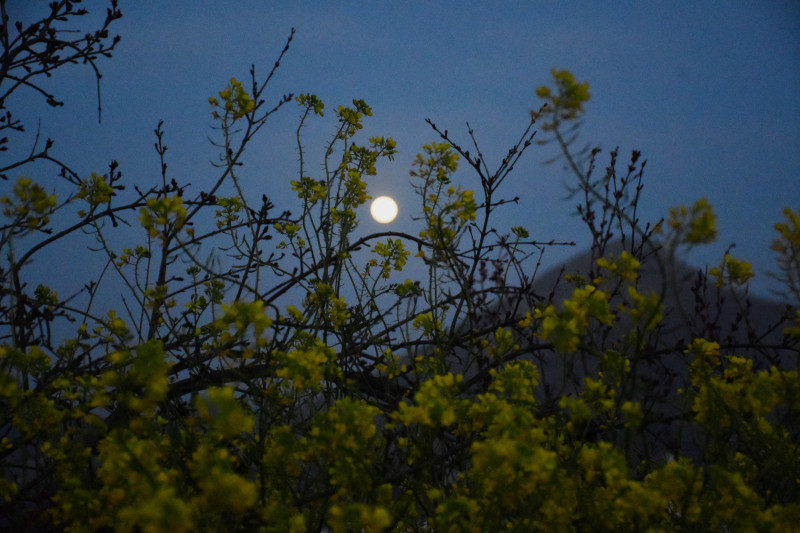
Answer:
x=229 y=417
x=732 y=271
x=570 y=96
x=695 y=224
x=235 y=100
x=306 y=368
x=566 y=328
x=646 y=309
x=435 y=403
x=625 y=266
x=503 y=343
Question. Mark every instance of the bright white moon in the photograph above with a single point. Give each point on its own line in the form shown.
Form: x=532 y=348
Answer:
x=383 y=209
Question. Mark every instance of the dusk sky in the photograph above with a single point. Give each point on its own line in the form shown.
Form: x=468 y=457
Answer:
x=708 y=91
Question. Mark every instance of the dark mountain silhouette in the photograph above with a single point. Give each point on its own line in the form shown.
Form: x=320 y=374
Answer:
x=693 y=307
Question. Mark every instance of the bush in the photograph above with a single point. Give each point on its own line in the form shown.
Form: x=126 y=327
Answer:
x=295 y=380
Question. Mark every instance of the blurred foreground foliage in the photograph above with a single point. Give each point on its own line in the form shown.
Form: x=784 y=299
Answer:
x=296 y=381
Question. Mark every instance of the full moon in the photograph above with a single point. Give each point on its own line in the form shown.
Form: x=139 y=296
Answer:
x=383 y=209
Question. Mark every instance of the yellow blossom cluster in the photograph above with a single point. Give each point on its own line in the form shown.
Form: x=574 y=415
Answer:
x=731 y=272
x=393 y=255
x=565 y=328
x=29 y=204
x=163 y=215
x=235 y=100
x=307 y=368
x=695 y=224
x=95 y=191
x=333 y=307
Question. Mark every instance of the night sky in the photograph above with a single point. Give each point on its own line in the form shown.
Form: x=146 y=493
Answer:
x=708 y=91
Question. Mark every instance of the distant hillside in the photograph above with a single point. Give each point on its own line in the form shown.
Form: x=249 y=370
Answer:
x=691 y=304
x=692 y=308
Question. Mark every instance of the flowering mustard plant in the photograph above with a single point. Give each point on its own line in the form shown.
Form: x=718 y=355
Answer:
x=253 y=368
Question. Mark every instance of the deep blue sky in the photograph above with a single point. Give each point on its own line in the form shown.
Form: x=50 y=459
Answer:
x=708 y=91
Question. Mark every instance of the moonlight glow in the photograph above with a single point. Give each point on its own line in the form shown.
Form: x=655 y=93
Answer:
x=383 y=209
